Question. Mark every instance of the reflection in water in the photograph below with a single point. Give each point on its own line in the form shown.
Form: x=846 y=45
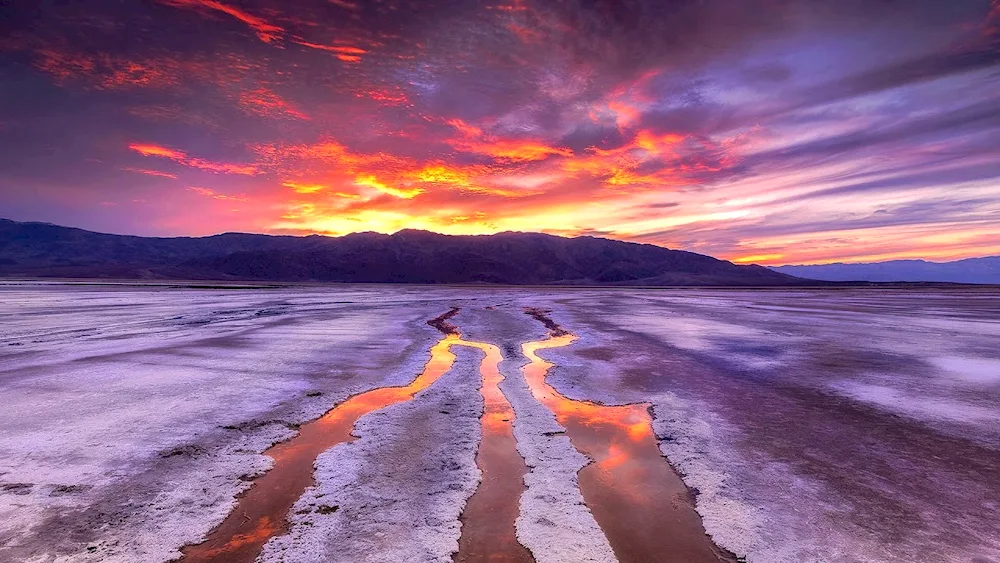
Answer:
x=643 y=507
x=261 y=513
x=488 y=519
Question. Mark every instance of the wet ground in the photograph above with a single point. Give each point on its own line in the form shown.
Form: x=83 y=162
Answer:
x=379 y=423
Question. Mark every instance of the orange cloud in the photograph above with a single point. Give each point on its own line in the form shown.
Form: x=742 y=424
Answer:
x=304 y=188
x=465 y=128
x=215 y=195
x=672 y=160
x=330 y=165
x=370 y=181
x=325 y=157
x=156 y=150
x=265 y=31
x=148 y=172
x=473 y=140
x=656 y=144
x=181 y=157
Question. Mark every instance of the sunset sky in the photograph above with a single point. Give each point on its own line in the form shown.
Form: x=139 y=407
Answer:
x=768 y=131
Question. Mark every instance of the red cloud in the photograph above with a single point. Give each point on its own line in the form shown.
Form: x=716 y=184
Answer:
x=386 y=97
x=345 y=4
x=265 y=31
x=109 y=72
x=266 y=103
x=64 y=66
x=268 y=32
x=345 y=53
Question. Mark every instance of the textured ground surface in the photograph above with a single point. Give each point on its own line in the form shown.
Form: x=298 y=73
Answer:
x=839 y=425
x=817 y=426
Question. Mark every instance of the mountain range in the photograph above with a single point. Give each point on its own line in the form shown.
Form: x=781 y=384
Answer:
x=970 y=270
x=408 y=256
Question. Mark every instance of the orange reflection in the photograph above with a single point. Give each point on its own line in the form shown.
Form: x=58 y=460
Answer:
x=243 y=533
x=643 y=507
x=488 y=532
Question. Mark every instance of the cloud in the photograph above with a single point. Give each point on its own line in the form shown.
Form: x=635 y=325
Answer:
x=266 y=32
x=215 y=195
x=267 y=103
x=300 y=188
x=148 y=172
x=345 y=53
x=107 y=72
x=181 y=157
x=346 y=4
x=472 y=139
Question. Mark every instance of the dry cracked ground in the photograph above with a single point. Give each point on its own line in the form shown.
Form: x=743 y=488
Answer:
x=383 y=424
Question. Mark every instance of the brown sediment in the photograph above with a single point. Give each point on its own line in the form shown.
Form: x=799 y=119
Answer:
x=261 y=513
x=541 y=315
x=642 y=505
x=441 y=323
x=488 y=521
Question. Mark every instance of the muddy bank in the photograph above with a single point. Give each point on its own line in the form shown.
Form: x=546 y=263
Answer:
x=211 y=380
x=553 y=523
x=488 y=521
x=262 y=512
x=396 y=492
x=845 y=426
x=641 y=504
x=814 y=426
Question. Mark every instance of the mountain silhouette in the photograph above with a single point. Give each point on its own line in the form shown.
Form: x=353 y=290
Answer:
x=409 y=256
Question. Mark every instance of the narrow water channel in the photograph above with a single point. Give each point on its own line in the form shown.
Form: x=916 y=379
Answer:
x=641 y=504
x=488 y=533
x=261 y=513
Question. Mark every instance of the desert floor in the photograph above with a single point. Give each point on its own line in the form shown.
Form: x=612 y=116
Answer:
x=404 y=423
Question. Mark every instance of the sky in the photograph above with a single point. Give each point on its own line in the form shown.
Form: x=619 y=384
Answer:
x=765 y=131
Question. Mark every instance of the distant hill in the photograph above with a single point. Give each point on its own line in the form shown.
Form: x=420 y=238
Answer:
x=45 y=250
x=971 y=270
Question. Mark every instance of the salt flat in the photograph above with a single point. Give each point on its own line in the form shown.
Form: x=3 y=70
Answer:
x=812 y=425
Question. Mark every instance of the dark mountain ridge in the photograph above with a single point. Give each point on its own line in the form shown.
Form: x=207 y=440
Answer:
x=409 y=256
